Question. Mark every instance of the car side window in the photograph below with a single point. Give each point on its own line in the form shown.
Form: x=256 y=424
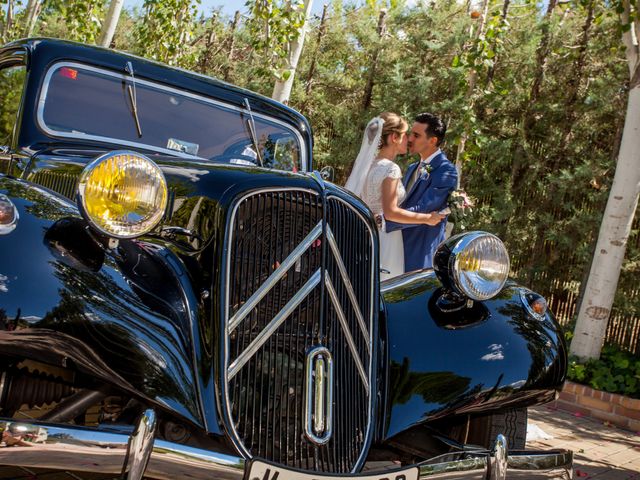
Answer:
x=11 y=86
x=278 y=150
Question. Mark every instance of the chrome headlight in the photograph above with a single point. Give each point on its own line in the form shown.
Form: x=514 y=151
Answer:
x=474 y=264
x=122 y=194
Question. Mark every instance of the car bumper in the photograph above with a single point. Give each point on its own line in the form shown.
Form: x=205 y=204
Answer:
x=41 y=445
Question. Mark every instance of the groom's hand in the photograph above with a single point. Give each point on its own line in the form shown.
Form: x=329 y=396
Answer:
x=379 y=220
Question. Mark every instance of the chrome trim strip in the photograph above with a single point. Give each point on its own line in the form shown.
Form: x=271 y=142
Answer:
x=318 y=398
x=477 y=467
x=140 y=446
x=347 y=284
x=317 y=420
x=3 y=379
x=278 y=273
x=347 y=334
x=539 y=460
x=273 y=325
x=159 y=86
x=405 y=279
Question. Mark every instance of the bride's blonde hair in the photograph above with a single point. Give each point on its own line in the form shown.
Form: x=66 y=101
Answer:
x=393 y=123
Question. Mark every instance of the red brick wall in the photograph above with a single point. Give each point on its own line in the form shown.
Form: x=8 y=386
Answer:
x=608 y=407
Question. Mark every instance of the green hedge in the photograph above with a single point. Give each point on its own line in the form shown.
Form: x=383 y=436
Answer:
x=617 y=371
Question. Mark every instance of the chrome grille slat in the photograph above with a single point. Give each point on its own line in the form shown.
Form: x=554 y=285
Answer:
x=347 y=283
x=275 y=323
x=333 y=296
x=275 y=302
x=65 y=184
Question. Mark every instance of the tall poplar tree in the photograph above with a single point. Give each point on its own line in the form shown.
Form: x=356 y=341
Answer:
x=110 y=23
x=595 y=308
x=282 y=88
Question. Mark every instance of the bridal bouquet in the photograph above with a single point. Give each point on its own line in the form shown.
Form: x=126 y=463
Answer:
x=461 y=206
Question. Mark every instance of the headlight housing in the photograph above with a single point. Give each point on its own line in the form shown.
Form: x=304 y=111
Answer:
x=122 y=194
x=473 y=264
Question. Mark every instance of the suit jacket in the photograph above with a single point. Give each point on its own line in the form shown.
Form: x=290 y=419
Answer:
x=428 y=194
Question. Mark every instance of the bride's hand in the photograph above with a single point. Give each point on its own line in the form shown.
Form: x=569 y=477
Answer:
x=434 y=218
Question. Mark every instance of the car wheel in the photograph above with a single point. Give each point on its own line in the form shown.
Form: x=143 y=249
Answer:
x=510 y=423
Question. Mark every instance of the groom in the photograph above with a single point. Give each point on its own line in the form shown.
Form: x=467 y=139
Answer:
x=428 y=184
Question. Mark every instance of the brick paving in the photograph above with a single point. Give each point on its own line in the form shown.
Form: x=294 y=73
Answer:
x=601 y=451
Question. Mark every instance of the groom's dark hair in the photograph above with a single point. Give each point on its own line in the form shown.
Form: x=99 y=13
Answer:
x=435 y=126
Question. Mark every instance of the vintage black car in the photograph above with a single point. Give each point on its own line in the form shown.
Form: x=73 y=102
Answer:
x=181 y=296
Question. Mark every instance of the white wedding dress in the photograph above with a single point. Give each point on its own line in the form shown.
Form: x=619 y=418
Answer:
x=391 y=247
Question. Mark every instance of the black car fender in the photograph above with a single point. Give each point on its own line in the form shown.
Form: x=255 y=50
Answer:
x=484 y=357
x=124 y=317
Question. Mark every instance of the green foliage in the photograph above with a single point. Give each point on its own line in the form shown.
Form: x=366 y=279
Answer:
x=11 y=30
x=166 y=31
x=628 y=11
x=616 y=371
x=11 y=82
x=273 y=25
x=83 y=19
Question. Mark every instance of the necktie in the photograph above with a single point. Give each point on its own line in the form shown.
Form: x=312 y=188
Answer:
x=414 y=176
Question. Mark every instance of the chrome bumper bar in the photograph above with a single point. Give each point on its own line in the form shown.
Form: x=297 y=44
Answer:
x=41 y=445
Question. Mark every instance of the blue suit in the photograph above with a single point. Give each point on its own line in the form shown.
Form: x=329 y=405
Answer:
x=428 y=194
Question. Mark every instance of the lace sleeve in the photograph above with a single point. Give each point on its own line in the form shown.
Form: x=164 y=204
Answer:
x=393 y=171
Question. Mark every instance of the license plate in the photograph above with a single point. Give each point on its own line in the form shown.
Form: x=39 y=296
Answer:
x=260 y=470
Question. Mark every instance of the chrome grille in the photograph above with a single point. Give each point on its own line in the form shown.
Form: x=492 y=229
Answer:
x=297 y=282
x=66 y=184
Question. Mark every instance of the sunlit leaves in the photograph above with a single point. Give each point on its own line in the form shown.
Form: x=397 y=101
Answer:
x=166 y=31
x=273 y=25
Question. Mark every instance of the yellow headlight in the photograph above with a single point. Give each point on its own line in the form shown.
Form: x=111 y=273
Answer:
x=123 y=194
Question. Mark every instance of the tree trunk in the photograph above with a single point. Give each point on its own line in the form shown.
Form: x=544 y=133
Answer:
x=595 y=309
x=542 y=55
x=368 y=89
x=9 y=22
x=472 y=80
x=110 y=23
x=210 y=38
x=282 y=88
x=573 y=87
x=314 y=57
x=232 y=42
x=503 y=20
x=31 y=16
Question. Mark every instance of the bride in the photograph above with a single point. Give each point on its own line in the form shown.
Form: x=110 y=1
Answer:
x=376 y=178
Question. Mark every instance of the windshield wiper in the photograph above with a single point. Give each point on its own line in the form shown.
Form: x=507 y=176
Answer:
x=252 y=131
x=133 y=97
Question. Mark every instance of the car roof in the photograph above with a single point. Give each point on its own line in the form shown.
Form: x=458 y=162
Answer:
x=45 y=51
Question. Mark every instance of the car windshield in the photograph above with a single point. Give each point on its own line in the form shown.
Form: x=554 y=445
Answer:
x=84 y=102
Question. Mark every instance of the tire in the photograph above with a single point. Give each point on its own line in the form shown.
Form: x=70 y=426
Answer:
x=510 y=423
